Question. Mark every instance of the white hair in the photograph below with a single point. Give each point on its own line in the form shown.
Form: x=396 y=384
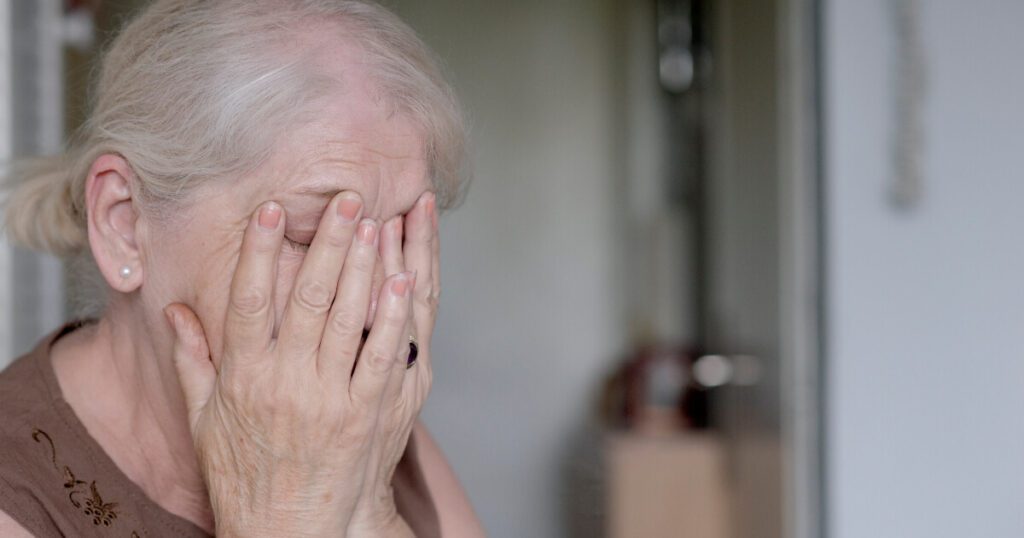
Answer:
x=194 y=90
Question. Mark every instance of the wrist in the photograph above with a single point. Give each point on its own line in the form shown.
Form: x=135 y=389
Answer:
x=267 y=530
x=282 y=512
x=268 y=524
x=379 y=520
x=392 y=527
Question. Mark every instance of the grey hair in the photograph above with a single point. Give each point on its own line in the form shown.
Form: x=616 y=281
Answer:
x=194 y=90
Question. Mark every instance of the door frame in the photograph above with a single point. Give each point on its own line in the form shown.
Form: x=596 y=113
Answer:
x=765 y=263
x=802 y=272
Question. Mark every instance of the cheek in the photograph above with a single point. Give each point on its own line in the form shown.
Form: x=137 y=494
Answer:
x=210 y=288
x=213 y=288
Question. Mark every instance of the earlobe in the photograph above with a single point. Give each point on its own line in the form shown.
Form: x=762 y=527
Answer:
x=113 y=222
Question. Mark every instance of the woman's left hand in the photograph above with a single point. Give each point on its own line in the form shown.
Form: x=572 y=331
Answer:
x=375 y=513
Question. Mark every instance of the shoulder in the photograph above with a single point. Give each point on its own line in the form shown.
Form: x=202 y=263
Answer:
x=22 y=388
x=27 y=389
x=455 y=512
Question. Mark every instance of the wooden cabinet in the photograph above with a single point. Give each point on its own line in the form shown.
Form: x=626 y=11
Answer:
x=665 y=486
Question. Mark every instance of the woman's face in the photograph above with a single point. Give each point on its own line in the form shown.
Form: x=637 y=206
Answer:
x=356 y=144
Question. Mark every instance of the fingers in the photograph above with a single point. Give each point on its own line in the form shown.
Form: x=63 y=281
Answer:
x=394 y=259
x=393 y=389
x=305 y=315
x=249 y=322
x=419 y=254
x=387 y=346
x=391 y=255
x=344 y=330
x=378 y=284
x=196 y=373
x=391 y=246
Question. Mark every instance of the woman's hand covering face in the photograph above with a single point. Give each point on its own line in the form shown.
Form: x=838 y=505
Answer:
x=299 y=434
x=406 y=392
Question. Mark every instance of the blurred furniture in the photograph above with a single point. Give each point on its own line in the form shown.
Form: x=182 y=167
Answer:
x=665 y=486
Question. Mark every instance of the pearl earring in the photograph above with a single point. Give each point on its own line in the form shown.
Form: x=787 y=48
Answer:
x=126 y=271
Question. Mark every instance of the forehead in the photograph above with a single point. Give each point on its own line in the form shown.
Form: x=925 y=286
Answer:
x=354 y=143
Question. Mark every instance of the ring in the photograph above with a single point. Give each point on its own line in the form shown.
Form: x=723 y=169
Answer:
x=414 y=351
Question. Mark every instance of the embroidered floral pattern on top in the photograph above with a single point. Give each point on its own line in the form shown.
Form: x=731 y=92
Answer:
x=83 y=495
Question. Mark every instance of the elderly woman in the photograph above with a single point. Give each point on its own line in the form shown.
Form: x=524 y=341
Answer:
x=258 y=185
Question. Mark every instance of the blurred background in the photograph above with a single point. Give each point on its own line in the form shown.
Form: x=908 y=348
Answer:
x=729 y=268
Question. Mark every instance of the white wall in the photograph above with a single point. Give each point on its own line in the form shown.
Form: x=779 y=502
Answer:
x=926 y=307
x=530 y=315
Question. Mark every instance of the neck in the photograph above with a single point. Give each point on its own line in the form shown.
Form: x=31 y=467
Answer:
x=119 y=377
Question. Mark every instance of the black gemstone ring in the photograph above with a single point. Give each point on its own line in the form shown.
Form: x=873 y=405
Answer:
x=414 y=351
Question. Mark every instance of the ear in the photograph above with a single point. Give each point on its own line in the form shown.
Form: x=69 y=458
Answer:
x=113 y=222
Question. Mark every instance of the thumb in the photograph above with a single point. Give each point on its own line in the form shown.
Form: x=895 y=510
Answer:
x=191 y=360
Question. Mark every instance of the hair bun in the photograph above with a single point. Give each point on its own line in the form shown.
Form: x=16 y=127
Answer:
x=40 y=212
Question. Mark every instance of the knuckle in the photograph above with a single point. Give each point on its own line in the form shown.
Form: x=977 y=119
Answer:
x=358 y=432
x=250 y=301
x=347 y=321
x=379 y=360
x=230 y=389
x=313 y=296
x=427 y=298
x=284 y=403
x=286 y=399
x=361 y=260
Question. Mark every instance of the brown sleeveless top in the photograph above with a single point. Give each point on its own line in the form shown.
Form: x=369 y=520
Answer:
x=56 y=480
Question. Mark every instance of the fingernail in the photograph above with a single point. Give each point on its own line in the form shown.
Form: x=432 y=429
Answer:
x=349 y=206
x=400 y=284
x=270 y=216
x=367 y=232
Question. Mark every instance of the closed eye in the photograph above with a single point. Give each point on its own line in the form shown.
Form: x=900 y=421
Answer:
x=296 y=245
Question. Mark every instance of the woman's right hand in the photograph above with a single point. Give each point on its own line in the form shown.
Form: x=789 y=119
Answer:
x=282 y=426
